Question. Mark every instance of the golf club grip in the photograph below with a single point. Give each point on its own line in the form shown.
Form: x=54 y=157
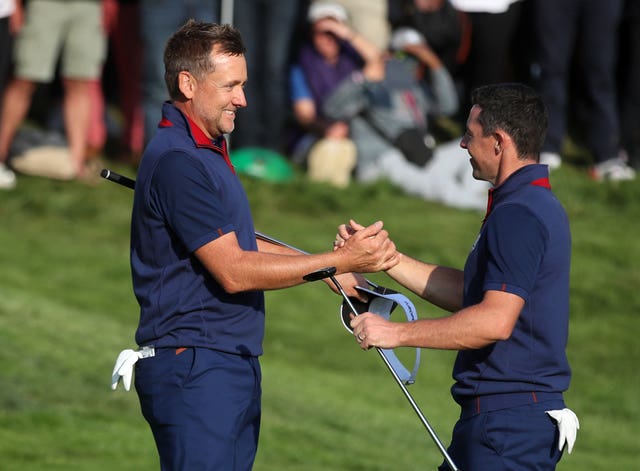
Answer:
x=117 y=178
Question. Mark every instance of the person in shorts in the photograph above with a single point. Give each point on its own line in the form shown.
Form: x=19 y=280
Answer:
x=65 y=32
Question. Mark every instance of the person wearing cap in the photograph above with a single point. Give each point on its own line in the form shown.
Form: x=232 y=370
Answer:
x=369 y=18
x=388 y=109
x=332 y=52
x=510 y=304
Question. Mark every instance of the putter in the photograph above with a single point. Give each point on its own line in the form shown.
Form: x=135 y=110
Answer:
x=321 y=274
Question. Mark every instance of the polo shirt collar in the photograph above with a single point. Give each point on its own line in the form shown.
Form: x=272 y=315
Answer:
x=172 y=116
x=534 y=174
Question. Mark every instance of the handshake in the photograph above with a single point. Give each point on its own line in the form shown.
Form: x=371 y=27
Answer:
x=367 y=249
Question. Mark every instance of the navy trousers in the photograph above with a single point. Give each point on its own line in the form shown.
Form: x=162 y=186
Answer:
x=203 y=407
x=522 y=438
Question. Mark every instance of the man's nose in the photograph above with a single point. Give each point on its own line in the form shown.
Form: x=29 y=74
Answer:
x=239 y=98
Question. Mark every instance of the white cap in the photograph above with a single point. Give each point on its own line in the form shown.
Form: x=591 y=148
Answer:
x=403 y=37
x=319 y=10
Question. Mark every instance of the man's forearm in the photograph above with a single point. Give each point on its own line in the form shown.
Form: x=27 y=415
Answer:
x=441 y=286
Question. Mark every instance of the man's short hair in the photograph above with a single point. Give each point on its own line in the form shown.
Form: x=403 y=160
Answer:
x=516 y=109
x=189 y=49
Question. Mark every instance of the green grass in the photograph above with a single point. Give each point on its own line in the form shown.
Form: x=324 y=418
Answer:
x=67 y=309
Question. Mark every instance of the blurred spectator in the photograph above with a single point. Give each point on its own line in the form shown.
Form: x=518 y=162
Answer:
x=53 y=30
x=387 y=110
x=446 y=29
x=386 y=105
x=267 y=28
x=494 y=24
x=10 y=23
x=122 y=19
x=586 y=30
x=331 y=53
x=97 y=128
x=158 y=20
x=629 y=96
x=369 y=18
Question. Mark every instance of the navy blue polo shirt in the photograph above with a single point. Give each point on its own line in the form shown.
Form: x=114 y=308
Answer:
x=187 y=194
x=524 y=248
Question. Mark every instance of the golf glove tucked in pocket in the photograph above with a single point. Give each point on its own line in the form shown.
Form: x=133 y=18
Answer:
x=568 y=425
x=123 y=369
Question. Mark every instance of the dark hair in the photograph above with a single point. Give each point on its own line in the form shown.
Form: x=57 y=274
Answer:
x=516 y=109
x=189 y=49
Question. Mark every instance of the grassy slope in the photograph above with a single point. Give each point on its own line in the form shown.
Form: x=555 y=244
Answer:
x=66 y=310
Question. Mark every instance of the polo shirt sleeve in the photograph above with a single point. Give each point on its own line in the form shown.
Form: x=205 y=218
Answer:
x=516 y=241
x=189 y=200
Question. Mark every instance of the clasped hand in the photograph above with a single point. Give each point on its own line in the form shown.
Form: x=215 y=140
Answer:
x=369 y=249
x=372 y=330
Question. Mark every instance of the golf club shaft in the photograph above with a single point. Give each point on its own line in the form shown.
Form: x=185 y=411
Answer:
x=346 y=298
x=266 y=238
x=130 y=183
x=404 y=389
x=419 y=413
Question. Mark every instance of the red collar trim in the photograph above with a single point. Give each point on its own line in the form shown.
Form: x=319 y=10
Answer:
x=489 y=205
x=543 y=182
x=202 y=140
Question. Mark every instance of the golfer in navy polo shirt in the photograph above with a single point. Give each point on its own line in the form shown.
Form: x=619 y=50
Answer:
x=198 y=270
x=510 y=304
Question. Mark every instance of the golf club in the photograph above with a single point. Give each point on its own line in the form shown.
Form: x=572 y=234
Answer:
x=320 y=274
x=328 y=273
x=117 y=178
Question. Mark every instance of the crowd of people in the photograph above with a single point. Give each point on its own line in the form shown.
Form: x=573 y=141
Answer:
x=346 y=89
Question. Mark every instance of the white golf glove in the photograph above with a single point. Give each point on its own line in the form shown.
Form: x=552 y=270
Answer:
x=568 y=426
x=123 y=369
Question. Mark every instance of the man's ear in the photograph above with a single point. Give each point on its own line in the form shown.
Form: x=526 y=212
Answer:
x=187 y=84
x=503 y=140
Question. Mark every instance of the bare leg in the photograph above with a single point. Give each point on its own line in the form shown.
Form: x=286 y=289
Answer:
x=77 y=114
x=97 y=129
x=15 y=105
